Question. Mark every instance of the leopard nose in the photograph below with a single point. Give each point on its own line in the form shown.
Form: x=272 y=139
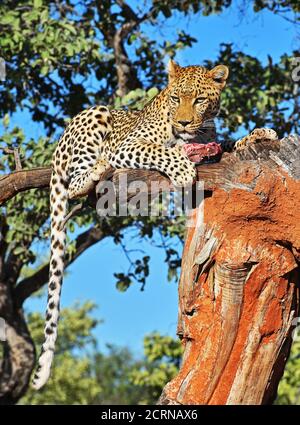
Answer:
x=184 y=123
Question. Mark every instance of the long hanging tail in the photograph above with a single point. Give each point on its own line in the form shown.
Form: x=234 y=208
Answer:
x=59 y=203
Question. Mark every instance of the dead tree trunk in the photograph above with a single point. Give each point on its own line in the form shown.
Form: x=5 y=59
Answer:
x=239 y=286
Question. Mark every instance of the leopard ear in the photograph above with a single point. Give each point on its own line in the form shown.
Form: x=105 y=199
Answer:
x=173 y=69
x=219 y=74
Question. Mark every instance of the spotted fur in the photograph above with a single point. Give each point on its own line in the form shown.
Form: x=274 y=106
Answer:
x=256 y=136
x=147 y=139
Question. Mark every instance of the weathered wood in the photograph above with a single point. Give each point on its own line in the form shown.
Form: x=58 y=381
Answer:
x=19 y=181
x=222 y=174
x=240 y=279
x=239 y=287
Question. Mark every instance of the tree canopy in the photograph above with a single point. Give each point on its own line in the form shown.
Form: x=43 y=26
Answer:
x=64 y=56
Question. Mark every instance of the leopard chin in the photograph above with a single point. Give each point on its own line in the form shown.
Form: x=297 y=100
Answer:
x=184 y=135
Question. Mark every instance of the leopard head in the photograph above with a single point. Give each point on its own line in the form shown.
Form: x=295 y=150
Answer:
x=194 y=96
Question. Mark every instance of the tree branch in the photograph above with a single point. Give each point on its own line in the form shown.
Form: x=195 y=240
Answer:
x=127 y=11
x=126 y=72
x=224 y=174
x=72 y=213
x=33 y=283
x=16 y=153
x=212 y=174
x=84 y=241
x=18 y=181
x=3 y=244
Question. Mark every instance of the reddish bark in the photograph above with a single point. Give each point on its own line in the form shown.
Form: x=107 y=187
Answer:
x=239 y=286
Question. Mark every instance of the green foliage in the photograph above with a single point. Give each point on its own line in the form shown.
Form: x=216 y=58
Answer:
x=41 y=41
x=289 y=387
x=162 y=359
x=136 y=99
x=139 y=274
x=278 y=6
x=260 y=95
x=60 y=59
x=60 y=47
x=27 y=214
x=57 y=47
x=83 y=375
x=207 y=7
x=113 y=372
x=72 y=380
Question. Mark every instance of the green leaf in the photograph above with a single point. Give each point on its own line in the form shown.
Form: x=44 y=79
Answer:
x=37 y=3
x=6 y=120
x=19 y=250
x=8 y=19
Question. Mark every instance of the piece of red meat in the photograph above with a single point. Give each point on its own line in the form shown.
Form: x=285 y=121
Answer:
x=198 y=152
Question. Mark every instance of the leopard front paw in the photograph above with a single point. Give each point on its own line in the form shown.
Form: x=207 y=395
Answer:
x=255 y=136
x=184 y=176
x=98 y=169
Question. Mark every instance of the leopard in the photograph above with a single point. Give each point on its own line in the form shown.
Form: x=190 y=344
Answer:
x=151 y=138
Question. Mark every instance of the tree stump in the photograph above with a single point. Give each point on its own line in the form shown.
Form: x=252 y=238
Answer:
x=240 y=278
x=239 y=286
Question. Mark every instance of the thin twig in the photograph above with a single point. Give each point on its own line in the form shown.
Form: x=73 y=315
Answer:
x=17 y=159
x=16 y=153
x=71 y=214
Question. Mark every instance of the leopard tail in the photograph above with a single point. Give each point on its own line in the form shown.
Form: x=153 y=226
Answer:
x=59 y=204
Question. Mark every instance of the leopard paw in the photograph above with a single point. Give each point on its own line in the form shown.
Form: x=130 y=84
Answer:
x=256 y=136
x=184 y=177
x=99 y=168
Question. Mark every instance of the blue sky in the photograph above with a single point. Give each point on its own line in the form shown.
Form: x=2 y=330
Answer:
x=129 y=316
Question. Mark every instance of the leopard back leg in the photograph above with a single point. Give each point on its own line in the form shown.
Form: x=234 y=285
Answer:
x=88 y=161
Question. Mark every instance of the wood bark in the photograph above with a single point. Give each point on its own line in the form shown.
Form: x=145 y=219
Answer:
x=19 y=181
x=18 y=357
x=239 y=287
x=240 y=278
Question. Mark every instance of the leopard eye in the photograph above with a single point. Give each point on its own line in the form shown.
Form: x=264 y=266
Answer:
x=200 y=100
x=175 y=98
